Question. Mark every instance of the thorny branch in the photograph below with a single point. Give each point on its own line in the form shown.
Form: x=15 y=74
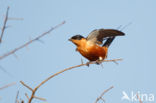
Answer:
x=31 y=41
x=43 y=82
x=62 y=71
x=4 y=25
x=100 y=97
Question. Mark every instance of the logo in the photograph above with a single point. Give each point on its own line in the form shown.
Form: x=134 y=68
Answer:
x=137 y=96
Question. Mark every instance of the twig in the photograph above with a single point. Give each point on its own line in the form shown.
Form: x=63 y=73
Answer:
x=5 y=71
x=31 y=41
x=139 y=98
x=8 y=85
x=26 y=85
x=100 y=97
x=62 y=71
x=4 y=25
x=11 y=18
x=81 y=61
x=27 y=96
x=43 y=99
x=16 y=100
x=116 y=62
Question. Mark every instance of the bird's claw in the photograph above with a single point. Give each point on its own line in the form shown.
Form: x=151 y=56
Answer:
x=98 y=62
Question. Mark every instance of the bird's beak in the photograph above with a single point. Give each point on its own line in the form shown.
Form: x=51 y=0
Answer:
x=70 y=39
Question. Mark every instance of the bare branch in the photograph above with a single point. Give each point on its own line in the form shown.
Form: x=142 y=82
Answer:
x=30 y=42
x=62 y=71
x=16 y=100
x=105 y=91
x=4 y=25
x=26 y=86
x=86 y=64
x=11 y=18
x=43 y=99
x=8 y=85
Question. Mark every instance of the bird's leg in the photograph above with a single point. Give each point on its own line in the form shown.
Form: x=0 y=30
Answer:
x=99 y=61
x=87 y=64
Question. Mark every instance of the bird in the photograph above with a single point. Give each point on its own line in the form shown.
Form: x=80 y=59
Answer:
x=93 y=46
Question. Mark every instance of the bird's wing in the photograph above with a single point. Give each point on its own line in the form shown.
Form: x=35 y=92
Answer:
x=98 y=35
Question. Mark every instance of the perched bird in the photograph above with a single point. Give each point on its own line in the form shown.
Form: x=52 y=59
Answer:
x=92 y=47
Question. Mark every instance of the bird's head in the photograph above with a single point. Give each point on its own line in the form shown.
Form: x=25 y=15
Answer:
x=76 y=39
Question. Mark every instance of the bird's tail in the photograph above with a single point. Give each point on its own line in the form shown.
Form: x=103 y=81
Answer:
x=108 y=42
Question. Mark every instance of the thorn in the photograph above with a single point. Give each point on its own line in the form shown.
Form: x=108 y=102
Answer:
x=41 y=41
x=116 y=62
x=15 y=56
x=102 y=66
x=103 y=99
x=27 y=47
x=8 y=26
x=82 y=61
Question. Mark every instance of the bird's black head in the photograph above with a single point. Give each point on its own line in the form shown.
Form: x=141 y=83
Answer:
x=77 y=37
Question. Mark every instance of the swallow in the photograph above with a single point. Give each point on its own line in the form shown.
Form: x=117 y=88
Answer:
x=93 y=46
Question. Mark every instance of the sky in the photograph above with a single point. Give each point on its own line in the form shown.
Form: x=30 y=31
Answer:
x=135 y=73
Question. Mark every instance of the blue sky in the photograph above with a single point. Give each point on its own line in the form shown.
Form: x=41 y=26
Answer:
x=83 y=85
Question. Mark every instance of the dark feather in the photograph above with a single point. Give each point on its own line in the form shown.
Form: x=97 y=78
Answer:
x=108 y=41
x=97 y=36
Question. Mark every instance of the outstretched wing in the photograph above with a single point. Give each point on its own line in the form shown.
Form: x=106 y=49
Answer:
x=98 y=35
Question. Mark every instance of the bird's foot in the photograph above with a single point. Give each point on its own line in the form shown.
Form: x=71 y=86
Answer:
x=87 y=64
x=98 y=62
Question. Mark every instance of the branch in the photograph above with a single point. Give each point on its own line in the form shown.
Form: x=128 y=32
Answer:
x=105 y=91
x=139 y=98
x=16 y=100
x=26 y=85
x=12 y=18
x=8 y=85
x=42 y=99
x=62 y=71
x=4 y=25
x=31 y=41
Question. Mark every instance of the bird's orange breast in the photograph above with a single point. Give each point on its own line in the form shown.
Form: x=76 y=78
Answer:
x=93 y=52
